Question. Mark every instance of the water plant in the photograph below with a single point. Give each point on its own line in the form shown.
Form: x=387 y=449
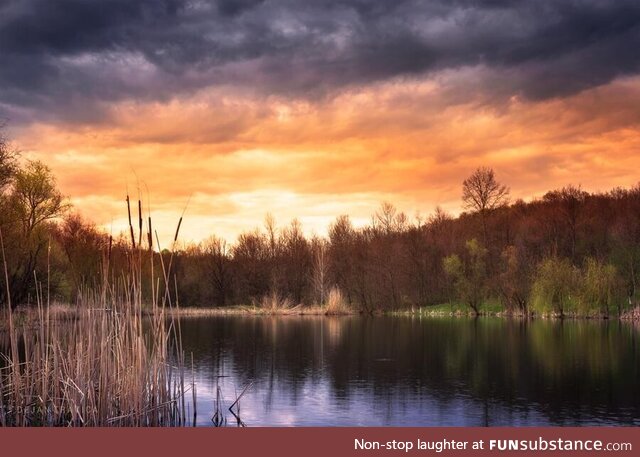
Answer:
x=119 y=362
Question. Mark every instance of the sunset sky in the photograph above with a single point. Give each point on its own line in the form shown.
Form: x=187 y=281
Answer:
x=318 y=108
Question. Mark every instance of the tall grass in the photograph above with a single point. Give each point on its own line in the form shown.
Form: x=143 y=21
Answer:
x=336 y=303
x=273 y=303
x=113 y=365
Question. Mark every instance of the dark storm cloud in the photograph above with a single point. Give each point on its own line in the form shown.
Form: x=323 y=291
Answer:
x=69 y=57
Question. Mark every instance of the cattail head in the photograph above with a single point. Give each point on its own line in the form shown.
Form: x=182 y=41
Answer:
x=133 y=239
x=149 y=236
x=175 y=238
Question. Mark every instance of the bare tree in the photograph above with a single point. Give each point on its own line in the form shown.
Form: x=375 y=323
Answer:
x=251 y=259
x=439 y=217
x=570 y=202
x=482 y=193
x=385 y=216
x=219 y=268
x=296 y=261
x=389 y=219
x=342 y=256
x=320 y=274
x=270 y=227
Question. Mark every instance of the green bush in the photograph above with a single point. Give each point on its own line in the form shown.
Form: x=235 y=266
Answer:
x=555 y=286
x=599 y=283
x=469 y=275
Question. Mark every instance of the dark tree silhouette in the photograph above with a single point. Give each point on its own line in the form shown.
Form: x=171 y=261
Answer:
x=8 y=162
x=482 y=193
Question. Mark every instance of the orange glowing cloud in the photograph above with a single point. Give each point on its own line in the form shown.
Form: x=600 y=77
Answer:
x=411 y=141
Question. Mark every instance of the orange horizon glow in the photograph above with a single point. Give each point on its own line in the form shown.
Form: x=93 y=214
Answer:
x=236 y=157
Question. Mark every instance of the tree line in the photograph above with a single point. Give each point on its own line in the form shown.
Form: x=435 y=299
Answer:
x=569 y=252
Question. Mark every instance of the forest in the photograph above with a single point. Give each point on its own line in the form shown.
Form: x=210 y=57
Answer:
x=569 y=252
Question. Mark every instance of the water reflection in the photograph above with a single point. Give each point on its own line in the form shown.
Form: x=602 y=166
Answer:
x=412 y=371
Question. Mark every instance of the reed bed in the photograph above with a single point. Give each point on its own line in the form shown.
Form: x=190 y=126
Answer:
x=103 y=368
x=273 y=303
x=336 y=303
x=300 y=310
x=112 y=364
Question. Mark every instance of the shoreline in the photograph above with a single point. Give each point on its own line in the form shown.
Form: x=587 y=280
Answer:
x=629 y=316
x=26 y=315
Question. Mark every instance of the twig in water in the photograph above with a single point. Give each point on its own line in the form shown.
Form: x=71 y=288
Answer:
x=237 y=402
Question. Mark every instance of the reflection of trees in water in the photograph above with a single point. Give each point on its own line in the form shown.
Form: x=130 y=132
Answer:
x=591 y=364
x=569 y=371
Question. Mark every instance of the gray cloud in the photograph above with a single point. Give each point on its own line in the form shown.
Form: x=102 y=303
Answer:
x=70 y=58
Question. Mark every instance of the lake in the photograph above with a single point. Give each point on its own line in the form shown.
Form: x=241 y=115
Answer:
x=415 y=371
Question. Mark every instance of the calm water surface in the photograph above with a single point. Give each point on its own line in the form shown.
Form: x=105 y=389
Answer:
x=410 y=371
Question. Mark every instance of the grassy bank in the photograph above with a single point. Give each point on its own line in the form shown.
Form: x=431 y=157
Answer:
x=457 y=309
x=497 y=310
x=440 y=310
x=28 y=317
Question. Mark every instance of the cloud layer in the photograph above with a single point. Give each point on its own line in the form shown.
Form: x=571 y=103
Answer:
x=71 y=57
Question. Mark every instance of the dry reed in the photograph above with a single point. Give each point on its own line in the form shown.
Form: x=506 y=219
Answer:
x=336 y=303
x=111 y=365
x=275 y=304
